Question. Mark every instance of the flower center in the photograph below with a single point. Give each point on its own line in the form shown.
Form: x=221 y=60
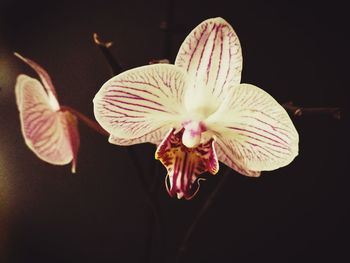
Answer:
x=192 y=134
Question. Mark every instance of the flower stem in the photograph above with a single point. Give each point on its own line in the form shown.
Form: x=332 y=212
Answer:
x=89 y=122
x=104 y=48
x=95 y=126
x=209 y=201
x=150 y=200
x=156 y=224
x=300 y=111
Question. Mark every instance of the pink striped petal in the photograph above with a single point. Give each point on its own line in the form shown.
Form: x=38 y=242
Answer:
x=51 y=135
x=254 y=132
x=211 y=54
x=228 y=154
x=137 y=105
x=184 y=165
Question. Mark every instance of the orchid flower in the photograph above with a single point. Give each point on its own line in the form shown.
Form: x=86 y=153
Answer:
x=198 y=113
x=49 y=130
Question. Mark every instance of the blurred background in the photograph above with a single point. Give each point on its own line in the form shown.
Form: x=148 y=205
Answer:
x=295 y=50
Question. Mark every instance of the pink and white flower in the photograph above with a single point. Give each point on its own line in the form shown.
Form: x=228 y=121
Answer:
x=49 y=130
x=198 y=112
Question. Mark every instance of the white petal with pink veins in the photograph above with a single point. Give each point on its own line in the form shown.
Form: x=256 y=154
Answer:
x=211 y=54
x=155 y=136
x=140 y=101
x=254 y=132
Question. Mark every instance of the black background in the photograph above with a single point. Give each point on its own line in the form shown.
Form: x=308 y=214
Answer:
x=295 y=50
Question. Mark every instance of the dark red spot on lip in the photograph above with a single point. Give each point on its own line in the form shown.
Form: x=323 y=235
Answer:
x=185 y=165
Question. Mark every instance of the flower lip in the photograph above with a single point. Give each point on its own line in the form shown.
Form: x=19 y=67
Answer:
x=185 y=165
x=187 y=192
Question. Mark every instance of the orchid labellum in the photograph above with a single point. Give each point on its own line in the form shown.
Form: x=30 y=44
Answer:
x=197 y=112
x=49 y=130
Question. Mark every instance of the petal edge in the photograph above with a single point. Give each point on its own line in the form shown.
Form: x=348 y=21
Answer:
x=211 y=54
x=255 y=129
x=141 y=100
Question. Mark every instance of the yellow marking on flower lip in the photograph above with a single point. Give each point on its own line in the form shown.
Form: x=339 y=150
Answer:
x=184 y=165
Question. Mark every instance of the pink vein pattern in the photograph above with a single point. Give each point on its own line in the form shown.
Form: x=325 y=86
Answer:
x=155 y=136
x=141 y=101
x=47 y=133
x=258 y=133
x=211 y=54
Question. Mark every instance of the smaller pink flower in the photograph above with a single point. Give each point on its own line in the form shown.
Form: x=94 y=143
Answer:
x=49 y=130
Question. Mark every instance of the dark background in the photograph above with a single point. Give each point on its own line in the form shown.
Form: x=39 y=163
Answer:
x=295 y=50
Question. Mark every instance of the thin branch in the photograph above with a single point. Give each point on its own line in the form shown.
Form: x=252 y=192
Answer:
x=95 y=126
x=209 y=201
x=112 y=62
x=150 y=200
x=116 y=69
x=301 y=111
x=86 y=120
